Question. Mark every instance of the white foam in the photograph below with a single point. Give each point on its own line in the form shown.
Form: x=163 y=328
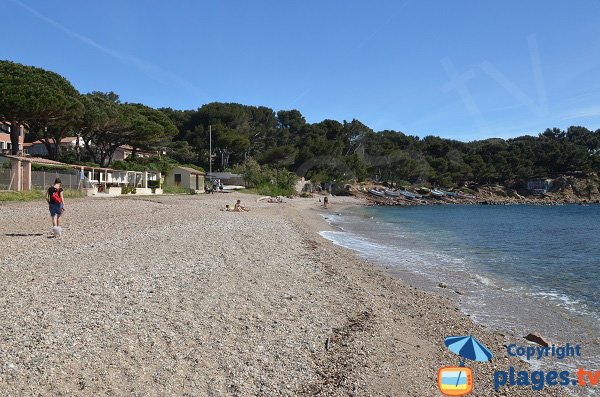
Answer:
x=564 y=301
x=484 y=280
x=352 y=241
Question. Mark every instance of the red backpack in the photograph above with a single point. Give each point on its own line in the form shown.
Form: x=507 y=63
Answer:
x=55 y=197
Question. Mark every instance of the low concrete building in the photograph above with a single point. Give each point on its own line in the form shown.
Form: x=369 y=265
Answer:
x=187 y=178
x=227 y=178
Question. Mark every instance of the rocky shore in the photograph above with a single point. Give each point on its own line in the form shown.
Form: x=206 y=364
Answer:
x=563 y=190
x=169 y=296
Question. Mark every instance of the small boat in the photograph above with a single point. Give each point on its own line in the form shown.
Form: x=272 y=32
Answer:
x=437 y=193
x=424 y=190
x=392 y=193
x=377 y=193
x=410 y=195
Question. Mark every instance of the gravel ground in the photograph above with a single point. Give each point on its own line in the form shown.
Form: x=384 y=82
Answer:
x=168 y=296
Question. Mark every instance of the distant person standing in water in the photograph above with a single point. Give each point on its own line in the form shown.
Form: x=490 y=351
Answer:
x=56 y=204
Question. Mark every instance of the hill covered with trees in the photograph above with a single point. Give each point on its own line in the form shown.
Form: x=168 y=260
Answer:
x=243 y=136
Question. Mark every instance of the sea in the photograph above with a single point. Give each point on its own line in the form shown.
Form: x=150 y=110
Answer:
x=518 y=269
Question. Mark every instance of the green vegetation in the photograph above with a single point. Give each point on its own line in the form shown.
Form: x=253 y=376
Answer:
x=128 y=190
x=43 y=167
x=268 y=181
x=38 y=195
x=175 y=190
x=164 y=164
x=43 y=100
x=22 y=196
x=270 y=147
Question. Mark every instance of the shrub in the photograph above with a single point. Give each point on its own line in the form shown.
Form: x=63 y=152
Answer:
x=269 y=181
x=128 y=189
x=176 y=190
x=38 y=195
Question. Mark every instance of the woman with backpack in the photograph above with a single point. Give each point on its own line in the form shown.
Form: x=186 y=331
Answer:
x=56 y=204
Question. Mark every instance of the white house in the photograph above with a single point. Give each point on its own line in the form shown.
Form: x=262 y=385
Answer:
x=38 y=148
x=124 y=151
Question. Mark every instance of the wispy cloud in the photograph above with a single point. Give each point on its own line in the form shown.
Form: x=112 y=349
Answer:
x=151 y=70
x=584 y=112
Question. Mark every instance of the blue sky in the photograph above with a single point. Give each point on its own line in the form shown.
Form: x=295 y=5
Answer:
x=465 y=69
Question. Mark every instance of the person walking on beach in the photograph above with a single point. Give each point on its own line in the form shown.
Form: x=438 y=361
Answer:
x=56 y=203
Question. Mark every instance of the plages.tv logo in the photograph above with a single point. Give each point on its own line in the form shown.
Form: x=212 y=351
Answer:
x=458 y=381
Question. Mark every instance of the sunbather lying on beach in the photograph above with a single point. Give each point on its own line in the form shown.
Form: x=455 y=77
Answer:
x=239 y=208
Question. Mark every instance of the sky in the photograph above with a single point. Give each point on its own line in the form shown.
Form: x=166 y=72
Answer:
x=465 y=70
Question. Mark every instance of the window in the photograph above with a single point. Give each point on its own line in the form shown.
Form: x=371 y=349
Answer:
x=177 y=179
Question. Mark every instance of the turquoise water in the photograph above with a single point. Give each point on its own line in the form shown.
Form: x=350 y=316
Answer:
x=520 y=269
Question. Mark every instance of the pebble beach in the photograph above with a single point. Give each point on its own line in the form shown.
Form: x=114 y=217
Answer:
x=170 y=296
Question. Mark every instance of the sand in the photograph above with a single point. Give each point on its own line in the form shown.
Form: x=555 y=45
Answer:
x=169 y=296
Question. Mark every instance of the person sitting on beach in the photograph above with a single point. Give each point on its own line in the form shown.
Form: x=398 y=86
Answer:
x=239 y=208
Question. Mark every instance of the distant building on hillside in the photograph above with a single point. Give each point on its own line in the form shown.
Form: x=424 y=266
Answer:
x=5 y=143
x=38 y=148
x=125 y=151
x=539 y=186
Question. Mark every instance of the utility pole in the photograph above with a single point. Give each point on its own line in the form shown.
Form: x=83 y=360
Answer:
x=210 y=151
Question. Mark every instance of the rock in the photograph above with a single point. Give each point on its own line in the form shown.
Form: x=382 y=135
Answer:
x=536 y=339
x=443 y=285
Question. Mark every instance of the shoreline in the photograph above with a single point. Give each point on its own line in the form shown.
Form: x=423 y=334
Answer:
x=395 y=286
x=169 y=295
x=349 y=235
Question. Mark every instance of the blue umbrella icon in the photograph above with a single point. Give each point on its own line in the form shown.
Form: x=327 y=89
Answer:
x=468 y=347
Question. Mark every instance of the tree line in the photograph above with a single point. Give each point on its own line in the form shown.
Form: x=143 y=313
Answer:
x=243 y=136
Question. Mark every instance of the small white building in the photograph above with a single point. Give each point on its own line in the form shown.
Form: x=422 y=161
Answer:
x=186 y=177
x=111 y=182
